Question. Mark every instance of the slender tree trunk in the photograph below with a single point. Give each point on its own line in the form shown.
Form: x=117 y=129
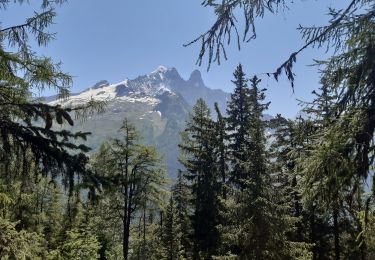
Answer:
x=126 y=228
x=127 y=203
x=222 y=169
x=297 y=210
x=128 y=212
x=312 y=234
x=144 y=228
x=125 y=239
x=362 y=248
x=161 y=219
x=139 y=236
x=336 y=232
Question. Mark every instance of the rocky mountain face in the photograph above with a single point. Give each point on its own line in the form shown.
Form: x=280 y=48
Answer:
x=157 y=103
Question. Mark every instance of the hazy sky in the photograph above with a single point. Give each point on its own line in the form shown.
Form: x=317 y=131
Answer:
x=119 y=39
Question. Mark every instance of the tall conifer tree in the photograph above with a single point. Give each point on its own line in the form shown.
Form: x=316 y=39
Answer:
x=135 y=177
x=255 y=224
x=198 y=148
x=239 y=113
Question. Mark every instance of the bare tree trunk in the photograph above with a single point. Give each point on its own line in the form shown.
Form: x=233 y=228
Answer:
x=336 y=232
x=125 y=239
x=144 y=228
x=312 y=235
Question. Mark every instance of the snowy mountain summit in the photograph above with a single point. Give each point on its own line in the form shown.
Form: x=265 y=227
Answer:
x=150 y=89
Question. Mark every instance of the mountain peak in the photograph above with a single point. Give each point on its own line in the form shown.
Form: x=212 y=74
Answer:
x=196 y=78
x=101 y=84
x=160 y=69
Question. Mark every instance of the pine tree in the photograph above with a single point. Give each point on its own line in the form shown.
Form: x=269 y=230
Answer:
x=19 y=244
x=78 y=239
x=32 y=152
x=32 y=201
x=255 y=225
x=147 y=236
x=288 y=141
x=198 y=146
x=182 y=197
x=26 y=124
x=239 y=114
x=135 y=178
x=171 y=233
x=325 y=183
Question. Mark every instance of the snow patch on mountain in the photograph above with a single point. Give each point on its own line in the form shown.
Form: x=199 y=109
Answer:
x=148 y=100
x=122 y=91
x=99 y=94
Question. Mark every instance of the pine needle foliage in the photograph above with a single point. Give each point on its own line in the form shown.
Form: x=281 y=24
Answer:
x=25 y=122
x=198 y=149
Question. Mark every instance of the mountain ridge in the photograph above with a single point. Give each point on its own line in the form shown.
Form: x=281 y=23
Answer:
x=157 y=103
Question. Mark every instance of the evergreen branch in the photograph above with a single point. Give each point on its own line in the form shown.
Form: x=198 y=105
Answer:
x=15 y=27
x=212 y=41
x=288 y=64
x=28 y=22
x=17 y=34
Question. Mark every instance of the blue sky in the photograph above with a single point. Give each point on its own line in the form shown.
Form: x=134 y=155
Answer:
x=119 y=39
